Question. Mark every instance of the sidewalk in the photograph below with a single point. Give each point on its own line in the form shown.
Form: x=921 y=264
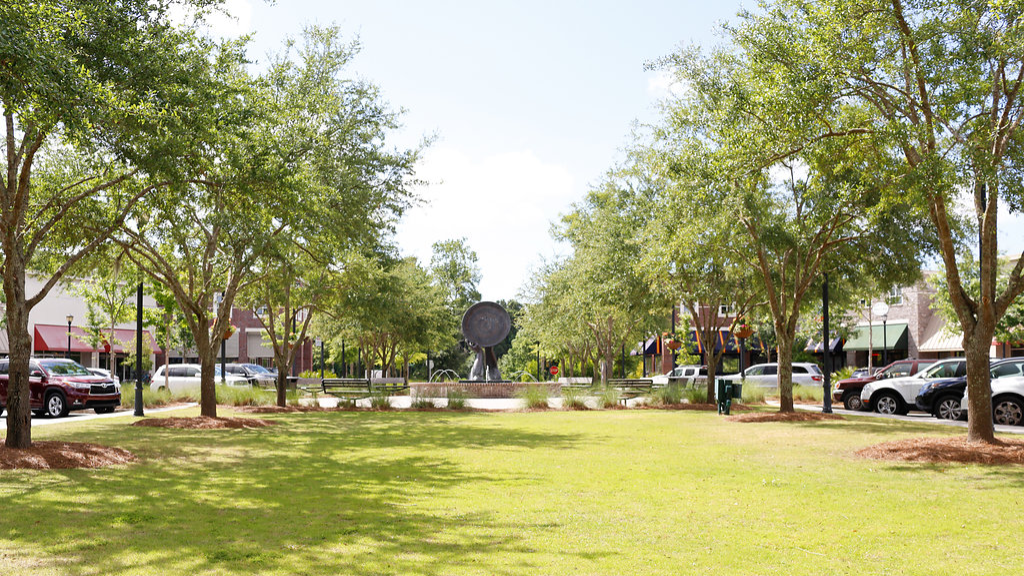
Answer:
x=86 y=415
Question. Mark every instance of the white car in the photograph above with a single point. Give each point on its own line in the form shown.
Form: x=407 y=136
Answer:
x=682 y=375
x=182 y=377
x=899 y=395
x=1007 y=400
x=767 y=375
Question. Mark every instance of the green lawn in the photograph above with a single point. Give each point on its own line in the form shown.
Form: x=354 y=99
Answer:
x=611 y=492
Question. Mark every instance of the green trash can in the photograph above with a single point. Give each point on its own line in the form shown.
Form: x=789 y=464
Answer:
x=737 y=390
x=723 y=393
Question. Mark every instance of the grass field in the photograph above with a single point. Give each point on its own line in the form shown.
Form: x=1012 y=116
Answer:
x=433 y=493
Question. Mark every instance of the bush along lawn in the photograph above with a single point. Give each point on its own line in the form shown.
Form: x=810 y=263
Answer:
x=550 y=492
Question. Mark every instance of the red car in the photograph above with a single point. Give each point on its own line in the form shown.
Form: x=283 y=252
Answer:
x=58 y=385
x=848 y=391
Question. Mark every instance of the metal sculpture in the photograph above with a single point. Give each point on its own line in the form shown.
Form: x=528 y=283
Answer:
x=484 y=326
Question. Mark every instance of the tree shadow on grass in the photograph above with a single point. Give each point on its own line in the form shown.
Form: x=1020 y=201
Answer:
x=318 y=494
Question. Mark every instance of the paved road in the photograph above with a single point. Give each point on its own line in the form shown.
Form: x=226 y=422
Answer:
x=85 y=415
x=916 y=417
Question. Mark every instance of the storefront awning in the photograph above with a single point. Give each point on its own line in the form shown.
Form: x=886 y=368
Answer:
x=938 y=338
x=893 y=337
x=50 y=338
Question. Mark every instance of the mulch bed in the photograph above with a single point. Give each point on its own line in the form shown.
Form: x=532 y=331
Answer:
x=63 y=455
x=205 y=423
x=783 y=417
x=947 y=450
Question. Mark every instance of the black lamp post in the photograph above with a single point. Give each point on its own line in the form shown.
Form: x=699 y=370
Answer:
x=320 y=343
x=885 y=342
x=826 y=405
x=218 y=297
x=70 y=319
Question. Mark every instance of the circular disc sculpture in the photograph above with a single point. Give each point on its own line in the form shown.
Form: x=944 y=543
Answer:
x=485 y=325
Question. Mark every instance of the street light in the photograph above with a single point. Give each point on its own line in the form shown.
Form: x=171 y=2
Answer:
x=319 y=342
x=218 y=298
x=70 y=319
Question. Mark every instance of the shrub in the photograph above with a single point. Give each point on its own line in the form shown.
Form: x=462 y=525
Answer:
x=608 y=397
x=808 y=393
x=456 y=399
x=316 y=374
x=753 y=395
x=243 y=396
x=696 y=395
x=573 y=399
x=380 y=401
x=421 y=402
x=535 y=397
x=150 y=398
x=667 y=396
x=842 y=374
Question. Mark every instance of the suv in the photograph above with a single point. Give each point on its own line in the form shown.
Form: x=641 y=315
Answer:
x=1007 y=400
x=59 y=385
x=899 y=395
x=256 y=375
x=767 y=375
x=182 y=377
x=848 y=391
x=941 y=398
x=682 y=375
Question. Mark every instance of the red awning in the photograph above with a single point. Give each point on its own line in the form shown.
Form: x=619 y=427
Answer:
x=49 y=338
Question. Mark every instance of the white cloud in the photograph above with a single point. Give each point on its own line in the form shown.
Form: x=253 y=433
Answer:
x=503 y=205
x=231 y=20
x=663 y=86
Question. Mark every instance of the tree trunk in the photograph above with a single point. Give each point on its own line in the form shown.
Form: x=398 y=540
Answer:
x=19 y=413
x=980 y=427
x=282 y=385
x=208 y=379
x=785 y=364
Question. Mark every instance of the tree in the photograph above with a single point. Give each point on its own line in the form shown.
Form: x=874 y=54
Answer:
x=940 y=85
x=94 y=96
x=695 y=253
x=821 y=207
x=453 y=266
x=392 y=308
x=606 y=292
x=109 y=294
x=319 y=142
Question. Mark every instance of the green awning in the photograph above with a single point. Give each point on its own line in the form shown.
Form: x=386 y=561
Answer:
x=894 y=337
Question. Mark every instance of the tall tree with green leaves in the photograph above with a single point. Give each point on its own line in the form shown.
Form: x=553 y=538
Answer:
x=96 y=99
x=607 y=291
x=940 y=87
x=804 y=211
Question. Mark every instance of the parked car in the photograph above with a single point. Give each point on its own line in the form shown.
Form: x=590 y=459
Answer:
x=682 y=375
x=256 y=375
x=862 y=373
x=1007 y=399
x=767 y=375
x=942 y=398
x=105 y=373
x=180 y=378
x=899 y=395
x=59 y=385
x=848 y=391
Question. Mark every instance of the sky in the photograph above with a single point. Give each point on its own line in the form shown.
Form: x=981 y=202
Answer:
x=529 y=104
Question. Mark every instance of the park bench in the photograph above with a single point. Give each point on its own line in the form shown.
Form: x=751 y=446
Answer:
x=576 y=383
x=358 y=388
x=630 y=388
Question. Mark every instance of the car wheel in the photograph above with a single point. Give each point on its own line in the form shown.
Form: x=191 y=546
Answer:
x=948 y=408
x=887 y=403
x=1007 y=410
x=56 y=405
x=105 y=410
x=852 y=401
